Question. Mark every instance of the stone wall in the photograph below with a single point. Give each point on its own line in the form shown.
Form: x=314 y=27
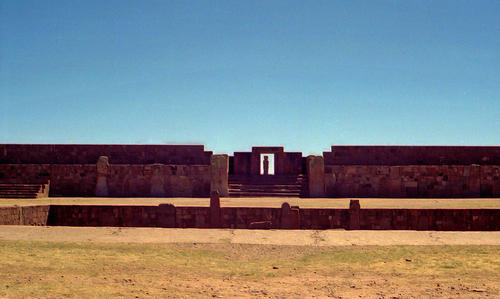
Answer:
x=33 y=215
x=285 y=163
x=490 y=181
x=430 y=219
x=412 y=155
x=285 y=217
x=412 y=181
x=90 y=153
x=122 y=180
x=189 y=170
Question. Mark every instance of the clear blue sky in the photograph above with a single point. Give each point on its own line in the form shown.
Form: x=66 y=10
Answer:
x=232 y=74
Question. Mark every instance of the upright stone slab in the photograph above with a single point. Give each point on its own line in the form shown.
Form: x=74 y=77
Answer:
x=101 y=188
x=354 y=212
x=286 y=216
x=215 y=210
x=290 y=216
x=316 y=176
x=219 y=167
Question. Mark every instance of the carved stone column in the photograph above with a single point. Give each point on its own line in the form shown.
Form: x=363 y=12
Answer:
x=101 y=188
x=219 y=167
x=316 y=176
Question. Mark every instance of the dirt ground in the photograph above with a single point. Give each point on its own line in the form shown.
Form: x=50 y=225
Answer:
x=415 y=203
x=57 y=269
x=242 y=236
x=106 y=262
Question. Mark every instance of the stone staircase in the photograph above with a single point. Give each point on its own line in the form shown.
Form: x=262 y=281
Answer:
x=271 y=185
x=17 y=190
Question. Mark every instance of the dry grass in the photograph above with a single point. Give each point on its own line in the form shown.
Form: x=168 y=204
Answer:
x=59 y=269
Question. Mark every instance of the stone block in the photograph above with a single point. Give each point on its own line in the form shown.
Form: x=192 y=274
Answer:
x=316 y=176
x=215 y=211
x=219 y=166
x=354 y=212
x=102 y=165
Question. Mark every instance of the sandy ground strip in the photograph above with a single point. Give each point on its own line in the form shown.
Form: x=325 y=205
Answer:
x=241 y=236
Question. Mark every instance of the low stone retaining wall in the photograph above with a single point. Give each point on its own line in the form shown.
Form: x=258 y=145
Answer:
x=286 y=217
x=33 y=215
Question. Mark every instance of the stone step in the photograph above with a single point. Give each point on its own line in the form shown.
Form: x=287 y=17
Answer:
x=19 y=190
x=266 y=185
x=263 y=191
x=266 y=194
x=18 y=195
x=256 y=189
x=266 y=179
x=19 y=187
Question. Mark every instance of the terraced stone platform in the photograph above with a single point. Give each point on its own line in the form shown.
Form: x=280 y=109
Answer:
x=21 y=190
x=270 y=185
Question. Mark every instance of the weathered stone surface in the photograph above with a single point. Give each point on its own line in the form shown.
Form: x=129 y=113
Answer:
x=30 y=215
x=215 y=210
x=260 y=225
x=349 y=171
x=446 y=181
x=354 y=213
x=259 y=218
x=122 y=180
x=316 y=176
x=157 y=181
x=286 y=216
x=166 y=215
x=117 y=153
x=219 y=167
x=102 y=165
x=393 y=155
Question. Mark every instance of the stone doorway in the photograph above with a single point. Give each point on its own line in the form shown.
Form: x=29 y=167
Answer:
x=267 y=164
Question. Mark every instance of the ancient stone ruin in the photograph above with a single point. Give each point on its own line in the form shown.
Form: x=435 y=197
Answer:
x=31 y=171
x=37 y=170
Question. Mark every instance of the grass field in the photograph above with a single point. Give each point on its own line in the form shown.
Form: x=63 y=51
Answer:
x=90 y=270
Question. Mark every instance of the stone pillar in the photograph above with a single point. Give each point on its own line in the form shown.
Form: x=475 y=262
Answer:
x=215 y=210
x=290 y=216
x=101 y=188
x=316 y=176
x=354 y=212
x=286 y=216
x=219 y=167
x=157 y=181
